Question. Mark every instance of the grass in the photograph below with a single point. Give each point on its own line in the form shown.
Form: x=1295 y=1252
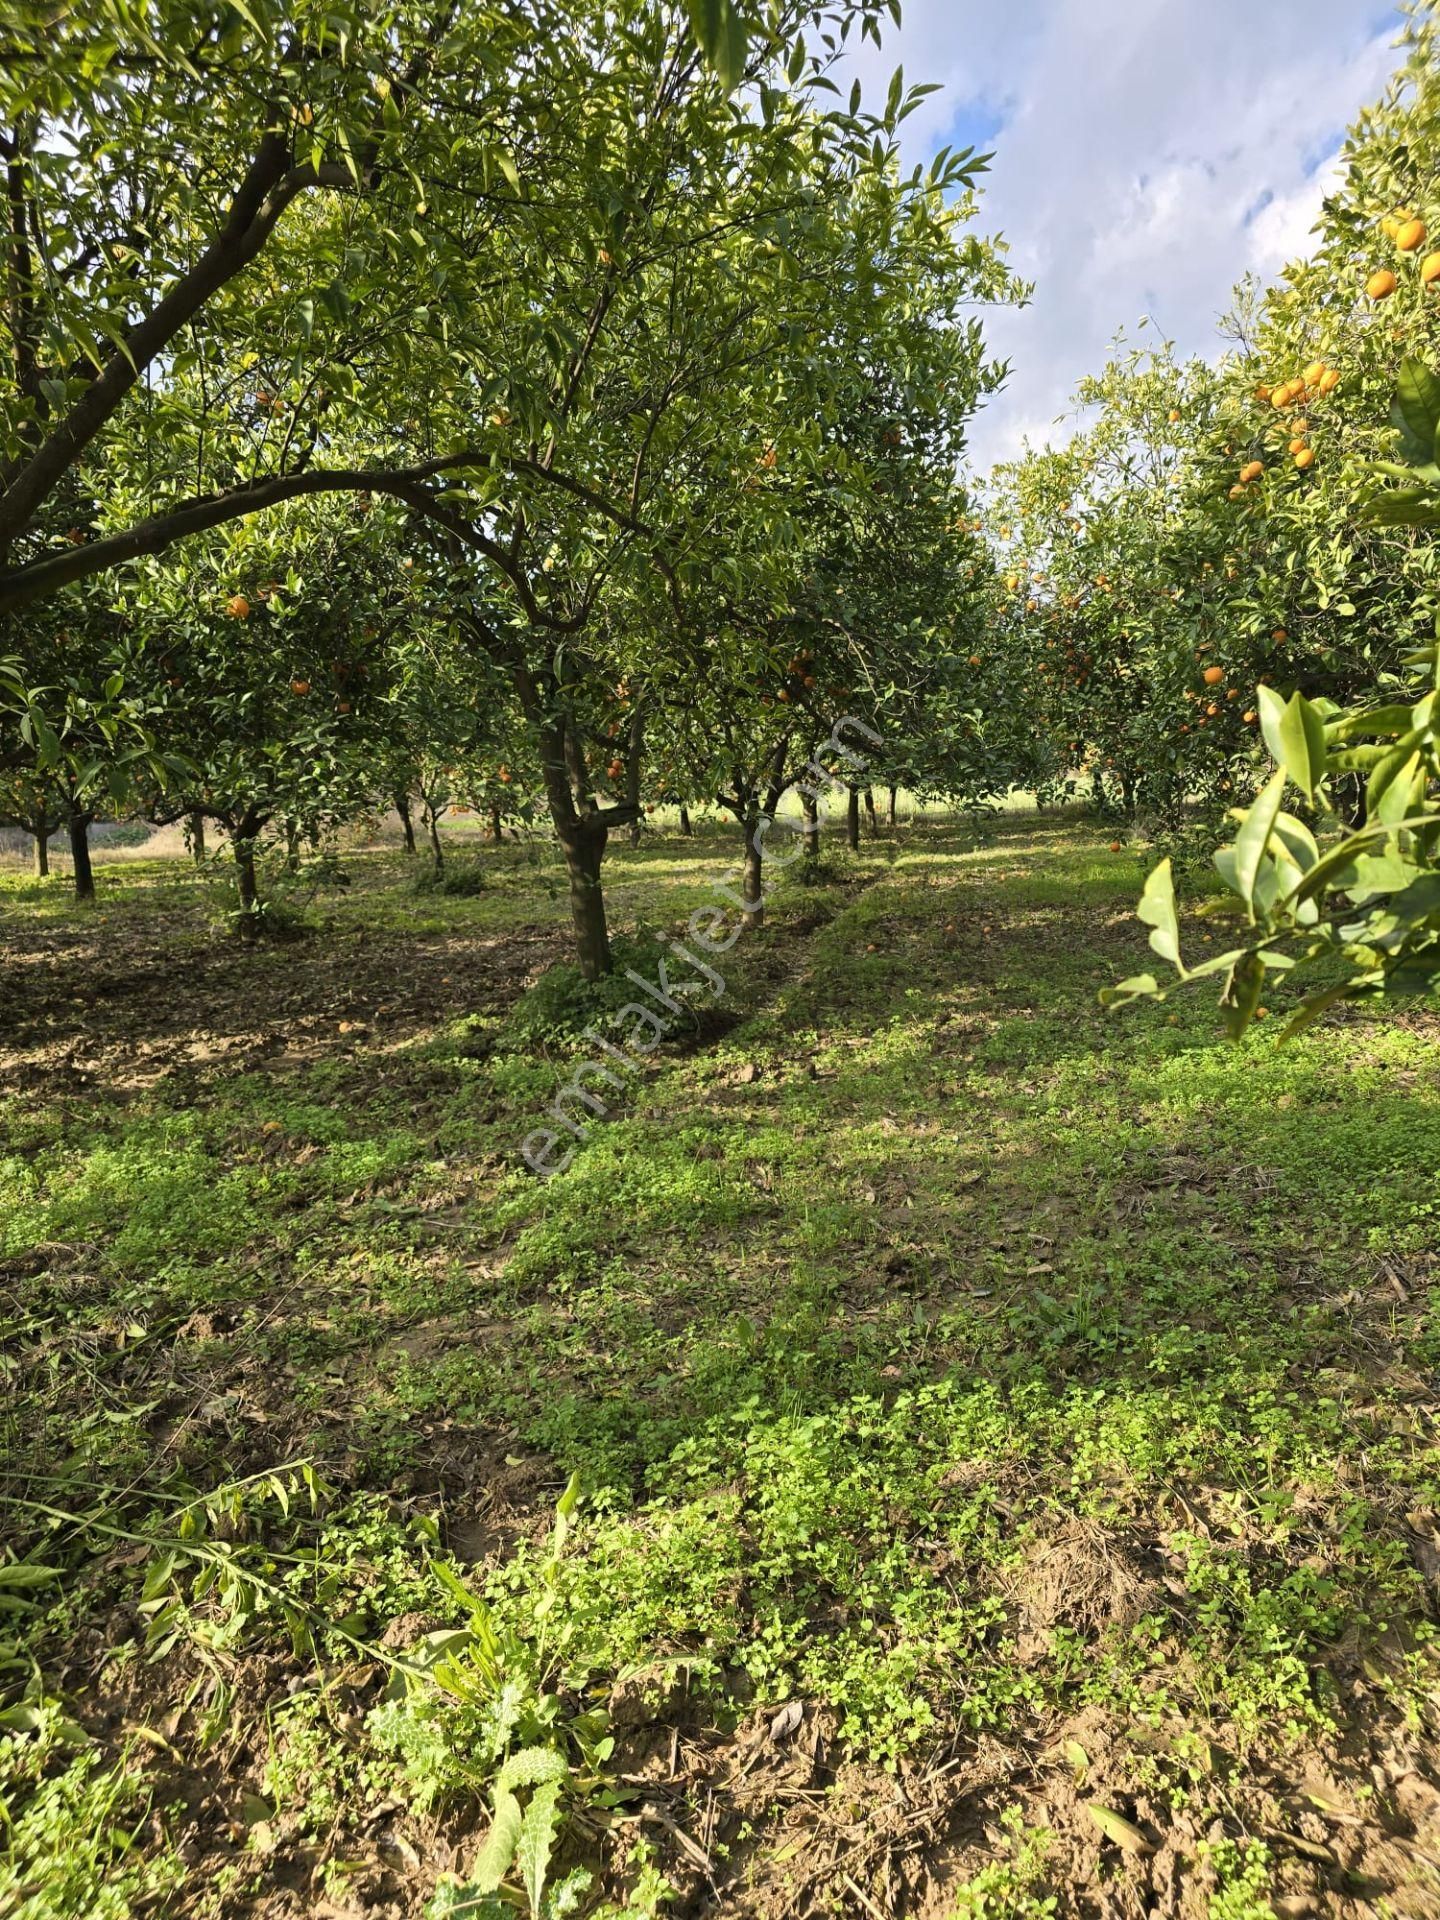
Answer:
x=1040 y=1400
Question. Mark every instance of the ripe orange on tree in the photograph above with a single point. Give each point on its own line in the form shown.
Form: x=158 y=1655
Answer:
x=238 y=607
x=1381 y=284
x=1212 y=676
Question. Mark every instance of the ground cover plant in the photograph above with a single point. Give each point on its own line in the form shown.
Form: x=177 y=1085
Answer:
x=615 y=1297
x=986 y=1475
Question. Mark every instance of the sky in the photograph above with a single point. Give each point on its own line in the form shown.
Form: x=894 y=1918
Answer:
x=1148 y=153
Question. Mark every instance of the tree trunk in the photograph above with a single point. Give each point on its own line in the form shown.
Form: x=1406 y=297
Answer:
x=292 y=847
x=581 y=829
x=810 y=808
x=584 y=849
x=80 y=854
x=401 y=802
x=437 y=852
x=243 y=840
x=41 y=831
x=752 y=892
x=247 y=889
x=852 y=820
x=634 y=758
x=891 y=812
x=197 y=838
x=497 y=831
x=870 y=810
x=685 y=826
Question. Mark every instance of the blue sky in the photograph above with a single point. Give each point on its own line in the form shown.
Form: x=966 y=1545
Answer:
x=1148 y=153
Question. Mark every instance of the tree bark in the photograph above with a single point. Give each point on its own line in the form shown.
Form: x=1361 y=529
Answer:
x=292 y=847
x=401 y=803
x=497 y=831
x=752 y=891
x=197 y=838
x=243 y=839
x=41 y=831
x=79 y=825
x=581 y=828
x=810 y=809
x=634 y=760
x=852 y=820
x=891 y=810
x=437 y=852
x=870 y=810
x=685 y=826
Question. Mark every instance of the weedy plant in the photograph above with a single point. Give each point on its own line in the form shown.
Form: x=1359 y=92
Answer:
x=487 y=1704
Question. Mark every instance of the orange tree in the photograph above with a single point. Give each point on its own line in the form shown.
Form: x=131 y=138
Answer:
x=1112 y=590
x=278 y=654
x=218 y=216
x=76 y=714
x=728 y=364
x=1206 y=536
x=1344 y=911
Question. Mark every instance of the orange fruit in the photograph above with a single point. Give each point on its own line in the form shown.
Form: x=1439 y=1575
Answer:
x=1313 y=372
x=1117 y=846
x=1252 y=470
x=1212 y=676
x=1263 y=392
x=1250 y=716
x=1237 y=492
x=299 y=686
x=1297 y=446
x=1329 y=380
x=1381 y=285
x=1410 y=236
x=1430 y=269
x=1174 y=415
x=1305 y=458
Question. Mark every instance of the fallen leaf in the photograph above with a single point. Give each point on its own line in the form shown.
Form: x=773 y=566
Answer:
x=787 y=1720
x=1125 y=1834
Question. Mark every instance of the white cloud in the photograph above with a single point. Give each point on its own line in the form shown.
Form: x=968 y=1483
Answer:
x=1149 y=153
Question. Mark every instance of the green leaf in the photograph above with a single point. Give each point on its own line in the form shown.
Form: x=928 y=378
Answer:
x=27 y=1573
x=537 y=1838
x=1415 y=412
x=1414 y=507
x=1242 y=993
x=1157 y=910
x=1394 y=770
x=1140 y=986
x=492 y=1862
x=718 y=27
x=1253 y=837
x=1295 y=735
